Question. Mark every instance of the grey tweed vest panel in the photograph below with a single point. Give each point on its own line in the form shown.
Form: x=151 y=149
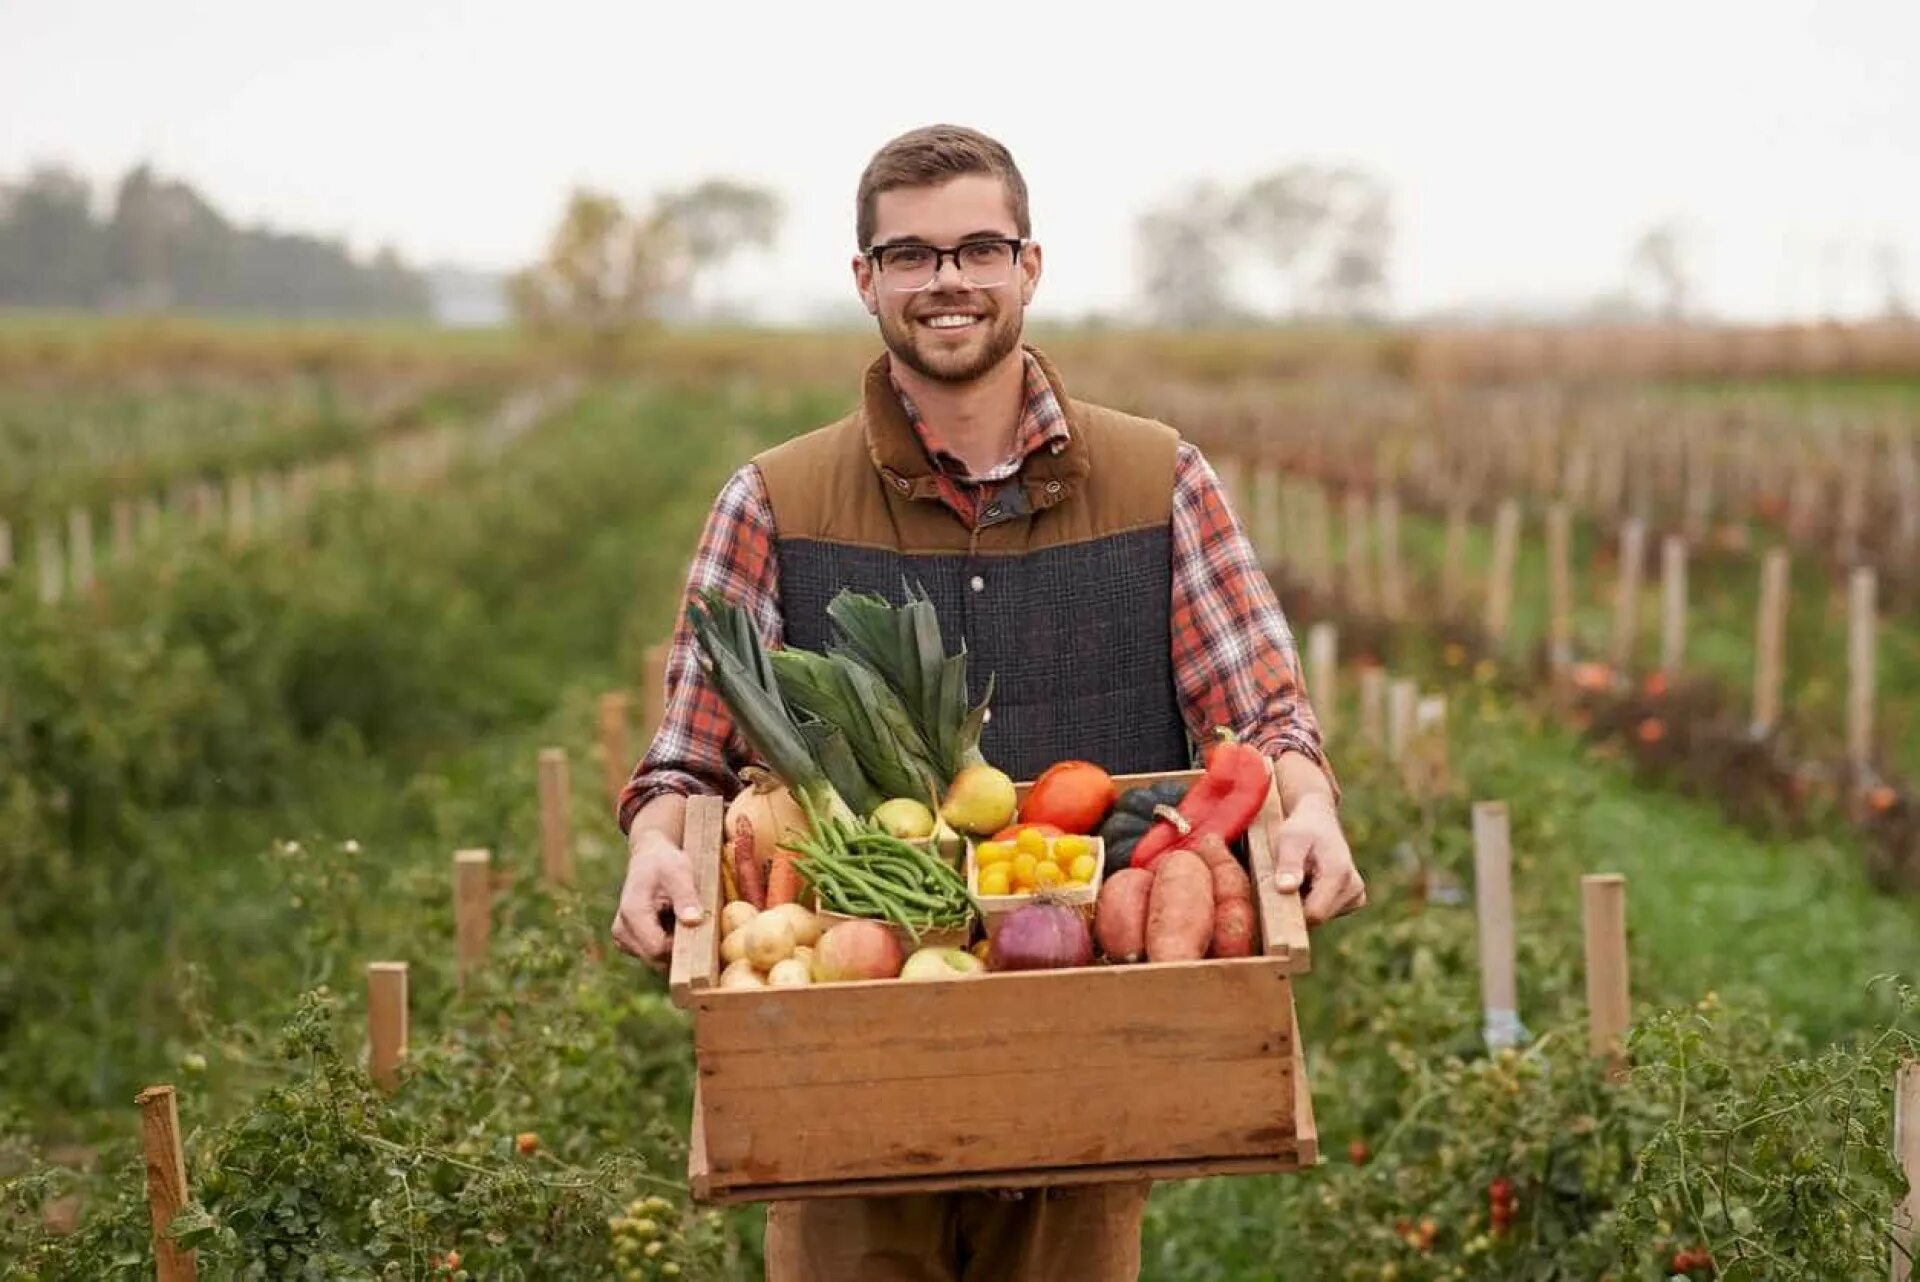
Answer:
x=1078 y=638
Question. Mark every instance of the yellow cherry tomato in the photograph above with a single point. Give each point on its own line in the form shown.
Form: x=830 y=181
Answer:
x=992 y=852
x=1028 y=841
x=1023 y=866
x=1081 y=869
x=994 y=880
x=1068 y=850
x=1047 y=874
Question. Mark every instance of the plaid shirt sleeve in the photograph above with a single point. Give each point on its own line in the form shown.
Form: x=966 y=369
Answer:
x=697 y=749
x=1233 y=655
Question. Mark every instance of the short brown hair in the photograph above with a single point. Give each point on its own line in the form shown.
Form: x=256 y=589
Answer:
x=929 y=156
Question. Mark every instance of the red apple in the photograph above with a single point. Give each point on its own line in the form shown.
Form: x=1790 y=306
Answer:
x=856 y=950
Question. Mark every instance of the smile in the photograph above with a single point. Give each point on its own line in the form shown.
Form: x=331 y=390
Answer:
x=951 y=320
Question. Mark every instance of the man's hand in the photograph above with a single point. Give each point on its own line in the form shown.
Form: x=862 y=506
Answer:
x=658 y=892
x=1310 y=854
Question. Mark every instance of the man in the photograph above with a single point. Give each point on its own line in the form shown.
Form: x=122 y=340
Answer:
x=1089 y=561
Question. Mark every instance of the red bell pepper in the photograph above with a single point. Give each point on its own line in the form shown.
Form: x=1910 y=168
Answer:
x=1224 y=801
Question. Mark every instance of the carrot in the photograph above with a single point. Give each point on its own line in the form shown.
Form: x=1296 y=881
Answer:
x=746 y=865
x=783 y=881
x=1120 y=917
x=1180 y=908
x=1233 y=929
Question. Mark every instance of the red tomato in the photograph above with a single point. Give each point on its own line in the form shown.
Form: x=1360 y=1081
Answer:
x=1073 y=795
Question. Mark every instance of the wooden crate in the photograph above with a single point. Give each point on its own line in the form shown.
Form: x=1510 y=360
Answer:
x=1177 y=1070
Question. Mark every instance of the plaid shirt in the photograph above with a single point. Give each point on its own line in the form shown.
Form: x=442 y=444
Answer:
x=1234 y=659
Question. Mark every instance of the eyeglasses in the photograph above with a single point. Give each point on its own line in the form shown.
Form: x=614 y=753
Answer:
x=984 y=264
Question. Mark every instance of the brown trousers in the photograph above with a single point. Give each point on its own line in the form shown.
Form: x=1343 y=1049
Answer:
x=1087 y=1233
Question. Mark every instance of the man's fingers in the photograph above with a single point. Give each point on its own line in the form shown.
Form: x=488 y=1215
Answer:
x=676 y=888
x=1334 y=897
x=1290 y=850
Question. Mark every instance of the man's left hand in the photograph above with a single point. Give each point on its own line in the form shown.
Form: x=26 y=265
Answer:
x=1310 y=854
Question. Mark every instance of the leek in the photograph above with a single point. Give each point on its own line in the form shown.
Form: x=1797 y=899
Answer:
x=903 y=645
x=802 y=755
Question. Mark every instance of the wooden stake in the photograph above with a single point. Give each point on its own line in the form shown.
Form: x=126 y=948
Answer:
x=1609 y=1010
x=1861 y=628
x=1453 y=563
x=1426 y=769
x=1393 y=594
x=1268 y=545
x=1906 y=1150
x=1506 y=549
x=1493 y=901
x=1673 y=611
x=1373 y=706
x=386 y=1022
x=653 y=689
x=556 y=829
x=1402 y=697
x=166 y=1181
x=1770 y=641
x=123 y=535
x=1359 y=571
x=615 y=761
x=80 y=548
x=1559 y=587
x=53 y=566
x=1319 y=542
x=472 y=908
x=1626 y=602
x=6 y=548
x=1323 y=675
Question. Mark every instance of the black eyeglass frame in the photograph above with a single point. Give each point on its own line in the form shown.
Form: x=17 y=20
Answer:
x=1016 y=244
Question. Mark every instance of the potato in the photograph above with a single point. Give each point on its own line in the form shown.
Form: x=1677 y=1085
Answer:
x=806 y=926
x=1120 y=916
x=791 y=973
x=741 y=974
x=1233 y=928
x=1180 y=909
x=734 y=946
x=737 y=914
x=769 y=940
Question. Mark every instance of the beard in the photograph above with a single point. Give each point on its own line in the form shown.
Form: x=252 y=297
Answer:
x=945 y=361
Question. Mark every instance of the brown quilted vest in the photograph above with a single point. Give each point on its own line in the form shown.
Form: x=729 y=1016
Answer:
x=1063 y=592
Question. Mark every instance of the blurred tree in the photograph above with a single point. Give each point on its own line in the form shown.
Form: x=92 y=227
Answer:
x=1891 y=269
x=1327 y=231
x=608 y=271
x=1659 y=260
x=164 y=246
x=1185 y=255
x=52 y=253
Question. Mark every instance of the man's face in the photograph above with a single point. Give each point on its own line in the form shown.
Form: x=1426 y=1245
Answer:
x=969 y=207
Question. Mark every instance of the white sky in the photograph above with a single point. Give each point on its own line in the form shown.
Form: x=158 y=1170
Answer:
x=1526 y=144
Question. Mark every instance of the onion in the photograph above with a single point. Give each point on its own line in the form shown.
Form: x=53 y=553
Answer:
x=1046 y=934
x=764 y=816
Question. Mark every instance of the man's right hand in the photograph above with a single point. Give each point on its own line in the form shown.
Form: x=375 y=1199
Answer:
x=658 y=893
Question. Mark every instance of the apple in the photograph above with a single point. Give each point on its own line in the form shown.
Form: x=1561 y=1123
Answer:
x=856 y=950
x=942 y=963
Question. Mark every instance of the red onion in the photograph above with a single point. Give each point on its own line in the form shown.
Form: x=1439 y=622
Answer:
x=1043 y=935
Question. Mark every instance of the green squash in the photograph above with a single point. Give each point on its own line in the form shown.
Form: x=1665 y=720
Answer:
x=1132 y=816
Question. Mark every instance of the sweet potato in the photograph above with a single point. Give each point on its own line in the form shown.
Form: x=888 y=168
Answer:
x=1120 y=916
x=1233 y=929
x=1180 y=908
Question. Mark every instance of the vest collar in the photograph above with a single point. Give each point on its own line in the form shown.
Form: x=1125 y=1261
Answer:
x=901 y=457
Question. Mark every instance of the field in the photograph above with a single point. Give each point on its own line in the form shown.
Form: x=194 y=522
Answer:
x=237 y=756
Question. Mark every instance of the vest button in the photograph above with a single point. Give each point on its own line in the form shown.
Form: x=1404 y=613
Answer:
x=977 y=583
x=1053 y=487
x=902 y=484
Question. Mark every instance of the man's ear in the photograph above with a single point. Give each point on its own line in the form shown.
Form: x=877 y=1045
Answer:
x=1030 y=268
x=863 y=283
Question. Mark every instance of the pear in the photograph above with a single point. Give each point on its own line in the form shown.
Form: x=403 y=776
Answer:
x=980 y=801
